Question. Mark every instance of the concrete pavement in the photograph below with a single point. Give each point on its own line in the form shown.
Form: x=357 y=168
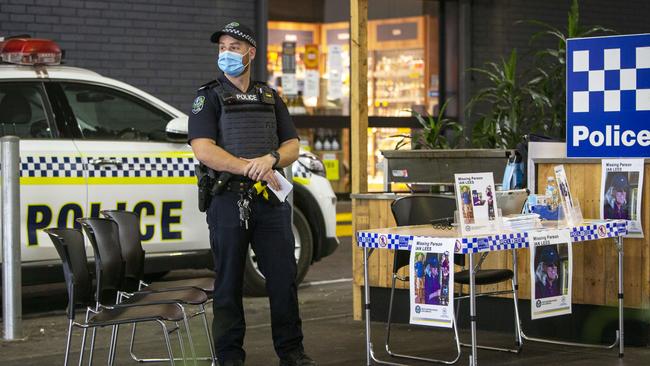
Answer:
x=331 y=336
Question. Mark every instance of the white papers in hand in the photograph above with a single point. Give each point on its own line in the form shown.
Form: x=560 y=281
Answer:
x=285 y=187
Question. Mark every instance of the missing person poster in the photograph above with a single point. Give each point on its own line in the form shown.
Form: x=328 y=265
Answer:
x=551 y=269
x=621 y=188
x=572 y=212
x=432 y=282
x=476 y=202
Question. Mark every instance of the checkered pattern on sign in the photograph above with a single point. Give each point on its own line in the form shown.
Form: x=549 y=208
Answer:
x=147 y=167
x=376 y=240
x=51 y=167
x=611 y=80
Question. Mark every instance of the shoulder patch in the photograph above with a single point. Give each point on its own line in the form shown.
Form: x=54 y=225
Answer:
x=209 y=85
x=198 y=104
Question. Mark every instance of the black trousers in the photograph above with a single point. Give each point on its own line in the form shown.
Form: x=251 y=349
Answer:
x=270 y=235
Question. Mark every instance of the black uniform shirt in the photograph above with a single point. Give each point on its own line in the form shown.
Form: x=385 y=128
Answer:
x=205 y=114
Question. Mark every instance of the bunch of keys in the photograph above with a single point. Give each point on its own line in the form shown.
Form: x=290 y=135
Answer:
x=244 y=209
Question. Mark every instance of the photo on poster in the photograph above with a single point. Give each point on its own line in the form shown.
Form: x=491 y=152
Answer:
x=621 y=189
x=431 y=280
x=571 y=209
x=551 y=273
x=476 y=202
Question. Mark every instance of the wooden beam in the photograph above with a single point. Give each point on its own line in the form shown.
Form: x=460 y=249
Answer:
x=359 y=93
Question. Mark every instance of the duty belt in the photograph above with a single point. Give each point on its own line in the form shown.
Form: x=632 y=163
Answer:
x=239 y=186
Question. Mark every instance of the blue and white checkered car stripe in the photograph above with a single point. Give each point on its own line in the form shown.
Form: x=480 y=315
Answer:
x=136 y=167
x=51 y=167
x=299 y=171
x=130 y=167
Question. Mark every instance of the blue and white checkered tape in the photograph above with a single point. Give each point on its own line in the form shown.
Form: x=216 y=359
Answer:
x=494 y=242
x=65 y=166
x=376 y=240
x=497 y=242
x=598 y=231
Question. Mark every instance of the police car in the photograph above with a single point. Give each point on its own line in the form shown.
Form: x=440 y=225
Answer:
x=90 y=143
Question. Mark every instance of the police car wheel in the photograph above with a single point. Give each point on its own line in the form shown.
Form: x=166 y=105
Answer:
x=254 y=282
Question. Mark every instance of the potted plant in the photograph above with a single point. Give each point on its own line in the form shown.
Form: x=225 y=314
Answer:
x=433 y=159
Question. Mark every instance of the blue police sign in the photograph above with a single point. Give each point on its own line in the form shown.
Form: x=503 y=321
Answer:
x=608 y=96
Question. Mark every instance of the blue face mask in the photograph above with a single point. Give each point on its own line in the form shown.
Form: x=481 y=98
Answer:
x=231 y=63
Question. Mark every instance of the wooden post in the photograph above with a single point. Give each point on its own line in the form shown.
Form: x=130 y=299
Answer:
x=359 y=93
x=359 y=120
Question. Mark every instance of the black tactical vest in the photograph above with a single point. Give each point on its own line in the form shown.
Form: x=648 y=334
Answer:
x=247 y=124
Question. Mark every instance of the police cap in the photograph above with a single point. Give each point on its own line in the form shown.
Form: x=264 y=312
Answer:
x=619 y=181
x=549 y=256
x=237 y=31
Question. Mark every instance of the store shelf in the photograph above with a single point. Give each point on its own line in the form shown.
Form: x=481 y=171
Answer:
x=390 y=75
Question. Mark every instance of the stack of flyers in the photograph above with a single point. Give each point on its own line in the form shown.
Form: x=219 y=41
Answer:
x=522 y=222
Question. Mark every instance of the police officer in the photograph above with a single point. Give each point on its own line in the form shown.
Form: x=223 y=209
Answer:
x=242 y=127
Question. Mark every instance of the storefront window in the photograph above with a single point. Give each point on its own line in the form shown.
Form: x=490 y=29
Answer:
x=308 y=61
x=308 y=58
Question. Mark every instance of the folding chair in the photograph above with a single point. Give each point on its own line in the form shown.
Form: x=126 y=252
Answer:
x=416 y=210
x=423 y=209
x=69 y=243
x=134 y=255
x=103 y=235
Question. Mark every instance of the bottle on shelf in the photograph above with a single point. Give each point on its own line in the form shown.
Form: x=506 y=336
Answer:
x=335 y=141
x=318 y=143
x=552 y=193
x=299 y=104
x=327 y=144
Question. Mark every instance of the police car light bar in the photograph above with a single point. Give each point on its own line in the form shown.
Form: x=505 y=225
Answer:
x=30 y=51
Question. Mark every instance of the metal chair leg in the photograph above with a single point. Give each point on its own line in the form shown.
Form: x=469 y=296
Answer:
x=170 y=354
x=92 y=346
x=83 y=339
x=113 y=348
x=131 y=345
x=424 y=359
x=114 y=330
x=518 y=341
x=179 y=334
x=212 y=356
x=390 y=314
x=67 y=343
x=207 y=333
x=189 y=333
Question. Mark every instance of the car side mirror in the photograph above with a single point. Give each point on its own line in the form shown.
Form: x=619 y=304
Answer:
x=176 y=129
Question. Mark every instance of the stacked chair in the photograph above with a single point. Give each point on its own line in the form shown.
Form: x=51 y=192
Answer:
x=120 y=295
x=427 y=209
x=131 y=245
x=69 y=243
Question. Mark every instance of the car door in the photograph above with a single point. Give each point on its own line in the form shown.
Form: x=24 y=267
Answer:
x=132 y=165
x=52 y=182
